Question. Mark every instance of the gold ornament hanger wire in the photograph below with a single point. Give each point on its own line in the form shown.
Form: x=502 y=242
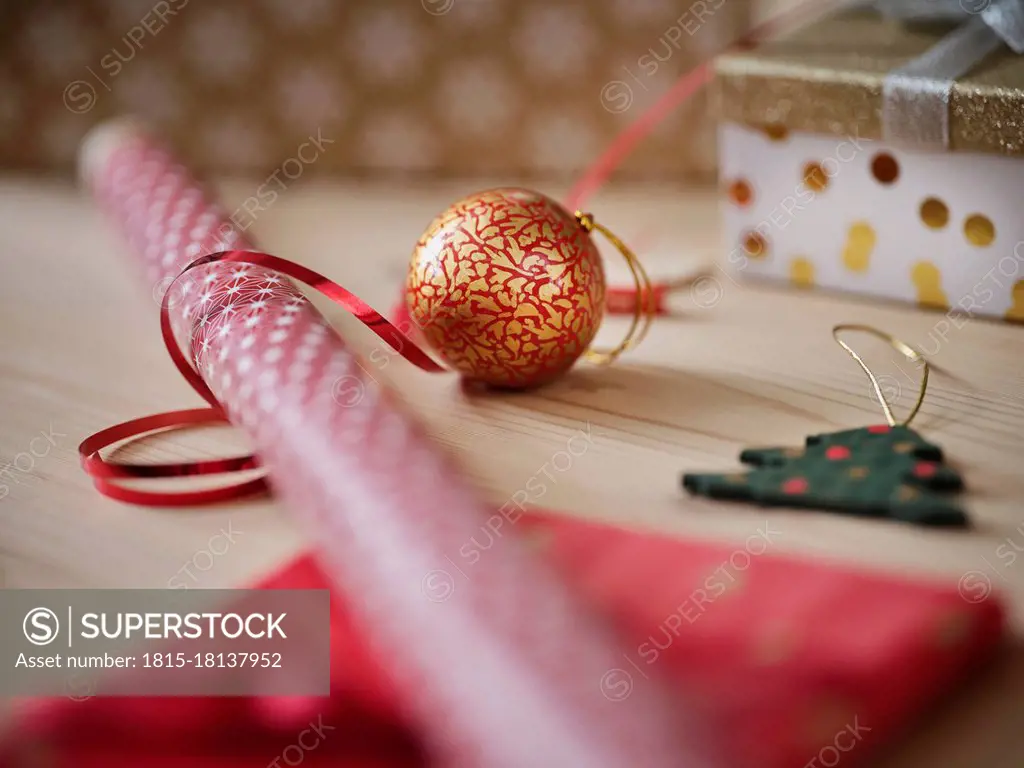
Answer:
x=643 y=311
x=900 y=346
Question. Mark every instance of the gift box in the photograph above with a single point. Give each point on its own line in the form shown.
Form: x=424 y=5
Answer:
x=434 y=87
x=881 y=151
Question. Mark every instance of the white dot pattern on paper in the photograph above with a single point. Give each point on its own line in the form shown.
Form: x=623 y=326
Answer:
x=53 y=43
x=149 y=89
x=397 y=141
x=301 y=14
x=554 y=40
x=221 y=44
x=560 y=141
x=478 y=98
x=292 y=67
x=309 y=96
x=234 y=141
x=386 y=44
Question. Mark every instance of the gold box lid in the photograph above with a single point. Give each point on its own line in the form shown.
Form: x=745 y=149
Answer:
x=827 y=78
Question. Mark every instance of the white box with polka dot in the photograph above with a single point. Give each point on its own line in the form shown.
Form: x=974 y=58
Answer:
x=944 y=230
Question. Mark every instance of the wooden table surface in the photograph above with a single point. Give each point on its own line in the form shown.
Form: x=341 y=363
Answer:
x=734 y=366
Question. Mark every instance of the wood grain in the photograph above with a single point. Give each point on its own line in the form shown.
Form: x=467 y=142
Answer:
x=80 y=349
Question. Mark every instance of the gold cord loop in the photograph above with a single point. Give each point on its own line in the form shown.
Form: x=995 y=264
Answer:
x=643 y=312
x=902 y=347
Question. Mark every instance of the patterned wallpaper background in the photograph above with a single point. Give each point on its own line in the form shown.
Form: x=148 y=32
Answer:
x=442 y=87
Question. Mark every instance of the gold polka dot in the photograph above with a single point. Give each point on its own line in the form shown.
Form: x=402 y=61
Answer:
x=736 y=477
x=793 y=453
x=801 y=273
x=979 y=230
x=776 y=131
x=903 y=447
x=860 y=243
x=934 y=213
x=755 y=246
x=1016 y=310
x=858 y=473
x=885 y=168
x=928 y=280
x=815 y=177
x=741 y=193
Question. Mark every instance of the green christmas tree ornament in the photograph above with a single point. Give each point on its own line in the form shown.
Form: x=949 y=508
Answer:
x=883 y=471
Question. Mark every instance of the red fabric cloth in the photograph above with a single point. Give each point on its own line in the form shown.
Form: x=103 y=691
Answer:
x=804 y=662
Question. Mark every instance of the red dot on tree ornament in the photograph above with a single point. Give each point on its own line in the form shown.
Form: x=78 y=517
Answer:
x=795 y=485
x=837 y=452
x=879 y=429
x=925 y=469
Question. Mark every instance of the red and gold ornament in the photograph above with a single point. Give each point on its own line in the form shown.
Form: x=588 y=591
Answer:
x=508 y=287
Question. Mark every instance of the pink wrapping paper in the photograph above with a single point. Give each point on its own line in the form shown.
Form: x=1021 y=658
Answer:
x=499 y=663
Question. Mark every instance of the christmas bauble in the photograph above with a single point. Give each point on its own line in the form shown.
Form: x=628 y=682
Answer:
x=507 y=288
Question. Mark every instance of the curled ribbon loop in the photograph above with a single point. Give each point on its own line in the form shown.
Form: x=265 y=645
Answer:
x=107 y=475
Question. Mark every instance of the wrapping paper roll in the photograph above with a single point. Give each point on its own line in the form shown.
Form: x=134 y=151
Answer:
x=499 y=663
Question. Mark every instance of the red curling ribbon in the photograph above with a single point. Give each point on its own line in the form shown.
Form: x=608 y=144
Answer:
x=105 y=472
x=621 y=300
x=362 y=311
